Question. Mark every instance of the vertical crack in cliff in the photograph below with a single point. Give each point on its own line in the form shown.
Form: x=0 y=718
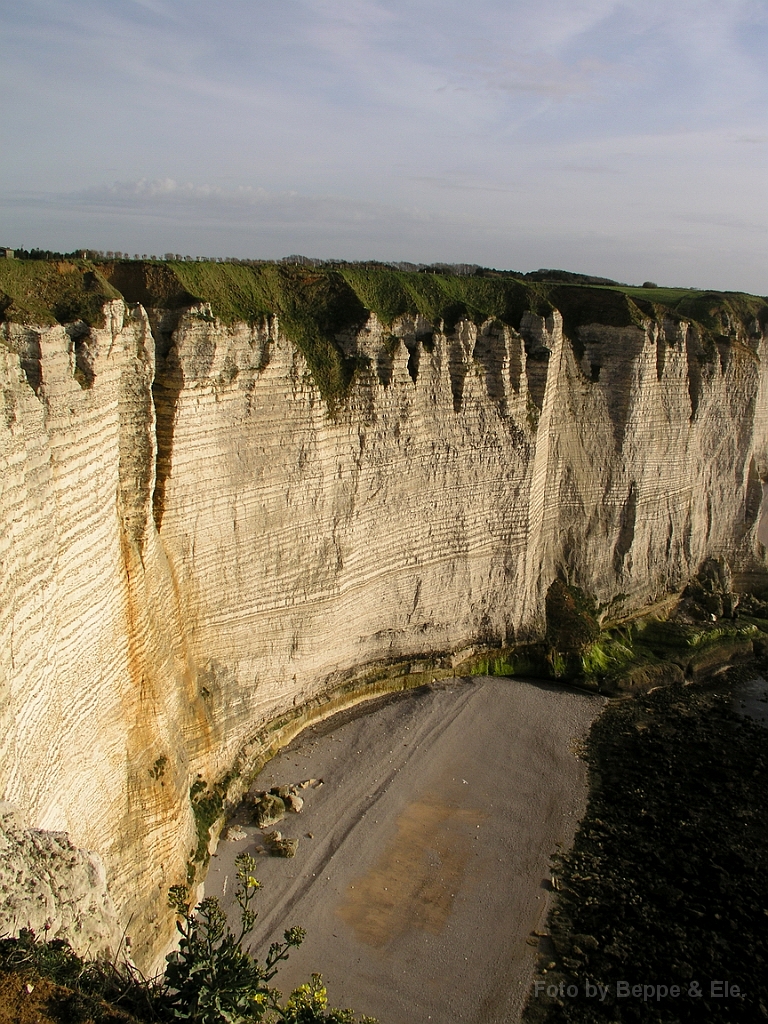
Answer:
x=626 y=530
x=167 y=386
x=414 y=357
x=516 y=350
x=694 y=353
x=490 y=353
x=753 y=496
x=536 y=371
x=385 y=361
x=457 y=371
x=31 y=360
x=661 y=354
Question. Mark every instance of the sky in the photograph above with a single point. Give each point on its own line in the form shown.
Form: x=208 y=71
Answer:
x=624 y=138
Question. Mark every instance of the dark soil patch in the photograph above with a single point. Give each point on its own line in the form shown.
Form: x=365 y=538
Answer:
x=667 y=881
x=29 y=999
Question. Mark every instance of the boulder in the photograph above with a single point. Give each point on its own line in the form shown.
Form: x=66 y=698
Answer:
x=268 y=810
x=279 y=847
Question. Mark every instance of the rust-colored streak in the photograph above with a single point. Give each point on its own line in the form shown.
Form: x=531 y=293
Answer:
x=415 y=881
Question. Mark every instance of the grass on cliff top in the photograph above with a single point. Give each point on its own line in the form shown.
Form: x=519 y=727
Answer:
x=315 y=305
x=436 y=297
x=708 y=308
x=312 y=306
x=43 y=293
x=337 y=298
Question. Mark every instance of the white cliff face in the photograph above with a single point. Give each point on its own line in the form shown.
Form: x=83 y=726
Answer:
x=184 y=561
x=91 y=657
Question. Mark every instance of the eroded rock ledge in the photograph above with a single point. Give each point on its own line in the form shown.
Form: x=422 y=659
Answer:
x=50 y=886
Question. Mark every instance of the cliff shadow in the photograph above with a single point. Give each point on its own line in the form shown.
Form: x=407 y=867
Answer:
x=31 y=360
x=490 y=352
x=609 y=361
x=166 y=388
x=457 y=371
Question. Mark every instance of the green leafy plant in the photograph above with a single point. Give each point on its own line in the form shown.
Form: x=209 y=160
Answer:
x=572 y=628
x=206 y=807
x=308 y=1004
x=52 y=959
x=212 y=979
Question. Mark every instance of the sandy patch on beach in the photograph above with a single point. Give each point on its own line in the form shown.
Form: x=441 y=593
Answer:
x=414 y=882
x=428 y=867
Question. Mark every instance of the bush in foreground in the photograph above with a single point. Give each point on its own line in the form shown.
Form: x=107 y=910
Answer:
x=210 y=979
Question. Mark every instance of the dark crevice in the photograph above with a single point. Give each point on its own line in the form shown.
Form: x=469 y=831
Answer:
x=754 y=496
x=695 y=353
x=413 y=360
x=167 y=386
x=84 y=372
x=709 y=516
x=515 y=364
x=725 y=352
x=536 y=368
x=614 y=366
x=626 y=529
x=661 y=355
x=490 y=353
x=687 y=536
x=384 y=367
x=31 y=360
x=457 y=371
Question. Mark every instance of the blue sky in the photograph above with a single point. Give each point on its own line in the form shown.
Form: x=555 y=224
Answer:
x=628 y=139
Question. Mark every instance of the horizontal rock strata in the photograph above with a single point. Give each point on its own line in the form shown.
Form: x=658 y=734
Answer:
x=192 y=543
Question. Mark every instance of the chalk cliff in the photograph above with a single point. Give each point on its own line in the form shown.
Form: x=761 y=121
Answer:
x=196 y=537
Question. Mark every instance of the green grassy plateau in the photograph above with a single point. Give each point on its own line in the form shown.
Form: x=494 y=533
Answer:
x=316 y=304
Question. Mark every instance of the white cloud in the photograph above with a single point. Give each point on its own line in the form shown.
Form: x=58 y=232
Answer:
x=542 y=74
